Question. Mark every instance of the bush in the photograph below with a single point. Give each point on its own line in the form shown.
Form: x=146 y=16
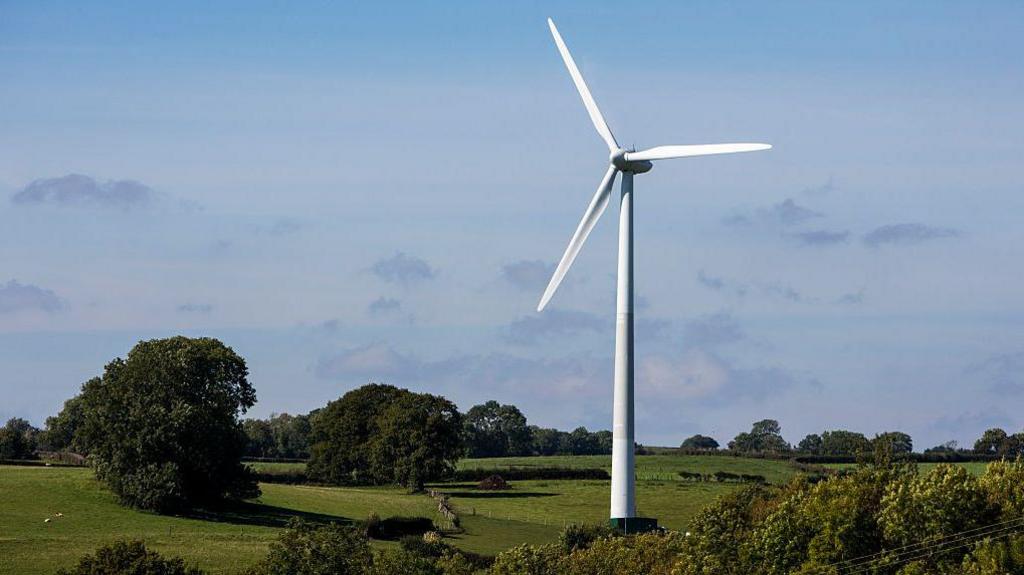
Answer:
x=493 y=483
x=649 y=553
x=402 y=562
x=307 y=549
x=129 y=558
x=581 y=536
x=450 y=560
x=528 y=560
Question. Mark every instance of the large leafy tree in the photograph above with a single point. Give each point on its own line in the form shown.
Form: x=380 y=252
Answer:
x=17 y=439
x=764 y=436
x=810 y=444
x=995 y=441
x=496 y=430
x=700 y=442
x=842 y=442
x=162 y=424
x=381 y=434
x=896 y=442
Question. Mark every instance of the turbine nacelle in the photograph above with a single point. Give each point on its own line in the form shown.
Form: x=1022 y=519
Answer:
x=618 y=158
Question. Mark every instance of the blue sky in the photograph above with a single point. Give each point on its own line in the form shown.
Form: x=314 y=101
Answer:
x=378 y=192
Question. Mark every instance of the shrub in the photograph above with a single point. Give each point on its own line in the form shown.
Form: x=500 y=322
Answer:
x=581 y=536
x=528 y=560
x=423 y=546
x=307 y=549
x=493 y=483
x=372 y=528
x=402 y=562
x=649 y=553
x=129 y=558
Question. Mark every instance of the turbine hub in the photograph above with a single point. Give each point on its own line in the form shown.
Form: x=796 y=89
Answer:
x=618 y=159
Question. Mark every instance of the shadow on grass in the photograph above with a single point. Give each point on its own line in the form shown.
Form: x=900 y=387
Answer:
x=249 y=513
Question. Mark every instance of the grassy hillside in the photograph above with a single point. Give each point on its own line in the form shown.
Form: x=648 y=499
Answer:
x=227 y=540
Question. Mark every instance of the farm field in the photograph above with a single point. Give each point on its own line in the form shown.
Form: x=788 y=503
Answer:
x=228 y=540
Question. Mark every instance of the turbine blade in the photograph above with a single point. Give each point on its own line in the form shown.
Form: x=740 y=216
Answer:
x=581 y=87
x=590 y=217
x=666 y=152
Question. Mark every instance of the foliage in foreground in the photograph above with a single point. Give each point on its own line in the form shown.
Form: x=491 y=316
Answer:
x=162 y=425
x=129 y=558
x=884 y=520
x=308 y=549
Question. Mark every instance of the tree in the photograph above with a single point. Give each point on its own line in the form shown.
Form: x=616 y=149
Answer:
x=495 y=430
x=291 y=435
x=700 y=443
x=162 y=425
x=282 y=435
x=992 y=442
x=897 y=441
x=582 y=442
x=948 y=447
x=381 y=434
x=948 y=500
x=132 y=557
x=842 y=442
x=764 y=436
x=810 y=444
x=17 y=439
x=61 y=429
x=420 y=440
x=259 y=438
x=546 y=441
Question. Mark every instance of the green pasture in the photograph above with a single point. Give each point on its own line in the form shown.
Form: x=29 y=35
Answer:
x=227 y=540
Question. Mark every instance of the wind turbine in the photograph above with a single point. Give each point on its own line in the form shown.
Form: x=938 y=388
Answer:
x=628 y=163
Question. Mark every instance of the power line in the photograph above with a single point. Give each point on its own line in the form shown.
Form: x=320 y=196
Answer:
x=935 y=546
x=867 y=567
x=930 y=543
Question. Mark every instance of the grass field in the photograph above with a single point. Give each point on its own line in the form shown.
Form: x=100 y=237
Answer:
x=228 y=540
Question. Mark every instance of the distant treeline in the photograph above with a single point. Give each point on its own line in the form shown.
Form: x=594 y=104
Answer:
x=765 y=438
x=489 y=430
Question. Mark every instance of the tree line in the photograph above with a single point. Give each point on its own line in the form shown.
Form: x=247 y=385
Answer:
x=765 y=436
x=490 y=429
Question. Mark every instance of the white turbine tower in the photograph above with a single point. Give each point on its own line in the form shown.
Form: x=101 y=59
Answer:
x=628 y=162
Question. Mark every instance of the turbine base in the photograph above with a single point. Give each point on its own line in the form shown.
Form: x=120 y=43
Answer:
x=629 y=525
